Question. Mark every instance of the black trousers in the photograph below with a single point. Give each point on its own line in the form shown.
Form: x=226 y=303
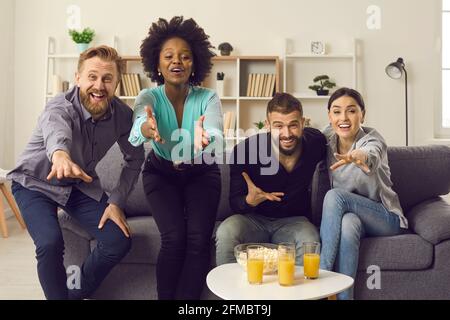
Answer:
x=184 y=203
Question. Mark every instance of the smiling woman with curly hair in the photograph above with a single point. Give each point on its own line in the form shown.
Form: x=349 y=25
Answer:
x=183 y=123
x=189 y=31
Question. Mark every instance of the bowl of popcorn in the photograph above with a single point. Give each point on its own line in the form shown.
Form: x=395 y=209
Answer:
x=269 y=250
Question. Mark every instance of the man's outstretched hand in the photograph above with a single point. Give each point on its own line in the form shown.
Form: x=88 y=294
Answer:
x=64 y=167
x=256 y=196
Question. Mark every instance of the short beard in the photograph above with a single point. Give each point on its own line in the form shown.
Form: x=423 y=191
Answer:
x=290 y=152
x=96 y=110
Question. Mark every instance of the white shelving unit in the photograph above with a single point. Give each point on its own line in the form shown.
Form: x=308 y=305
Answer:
x=300 y=68
x=326 y=59
x=247 y=109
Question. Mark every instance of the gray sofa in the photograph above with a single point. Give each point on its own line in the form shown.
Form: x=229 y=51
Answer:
x=414 y=265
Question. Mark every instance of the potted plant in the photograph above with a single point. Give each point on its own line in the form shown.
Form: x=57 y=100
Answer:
x=225 y=48
x=307 y=122
x=260 y=126
x=323 y=86
x=83 y=38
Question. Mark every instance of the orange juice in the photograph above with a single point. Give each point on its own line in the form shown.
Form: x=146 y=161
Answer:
x=255 y=269
x=311 y=263
x=286 y=271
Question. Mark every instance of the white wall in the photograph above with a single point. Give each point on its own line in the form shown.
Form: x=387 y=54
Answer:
x=409 y=29
x=6 y=83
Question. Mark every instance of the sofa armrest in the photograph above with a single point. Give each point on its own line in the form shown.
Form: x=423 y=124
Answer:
x=319 y=187
x=431 y=220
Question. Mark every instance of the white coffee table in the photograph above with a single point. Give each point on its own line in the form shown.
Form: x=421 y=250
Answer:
x=229 y=282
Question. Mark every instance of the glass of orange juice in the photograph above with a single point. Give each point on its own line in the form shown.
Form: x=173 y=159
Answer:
x=255 y=264
x=286 y=264
x=311 y=259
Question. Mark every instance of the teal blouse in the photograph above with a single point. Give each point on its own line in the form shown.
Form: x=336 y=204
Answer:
x=179 y=142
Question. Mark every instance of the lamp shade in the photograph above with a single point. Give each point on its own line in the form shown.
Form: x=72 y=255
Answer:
x=395 y=69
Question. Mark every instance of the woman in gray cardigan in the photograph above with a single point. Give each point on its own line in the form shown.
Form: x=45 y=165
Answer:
x=361 y=202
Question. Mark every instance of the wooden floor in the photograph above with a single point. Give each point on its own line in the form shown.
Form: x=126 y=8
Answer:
x=18 y=275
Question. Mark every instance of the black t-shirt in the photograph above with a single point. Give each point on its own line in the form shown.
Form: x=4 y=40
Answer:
x=255 y=157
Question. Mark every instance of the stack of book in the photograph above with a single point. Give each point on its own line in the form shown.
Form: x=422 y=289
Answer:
x=229 y=123
x=260 y=85
x=130 y=85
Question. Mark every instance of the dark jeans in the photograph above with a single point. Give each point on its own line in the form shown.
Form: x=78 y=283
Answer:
x=184 y=205
x=40 y=215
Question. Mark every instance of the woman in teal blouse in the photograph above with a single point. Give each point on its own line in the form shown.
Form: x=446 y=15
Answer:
x=183 y=123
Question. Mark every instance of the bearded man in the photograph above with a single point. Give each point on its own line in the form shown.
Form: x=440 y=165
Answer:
x=57 y=170
x=273 y=206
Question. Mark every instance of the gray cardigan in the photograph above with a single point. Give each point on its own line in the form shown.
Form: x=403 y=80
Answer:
x=375 y=185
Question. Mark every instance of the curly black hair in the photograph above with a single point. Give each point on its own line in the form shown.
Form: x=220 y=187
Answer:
x=189 y=31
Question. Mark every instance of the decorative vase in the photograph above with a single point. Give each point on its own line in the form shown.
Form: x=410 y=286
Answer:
x=82 y=47
x=219 y=88
x=323 y=92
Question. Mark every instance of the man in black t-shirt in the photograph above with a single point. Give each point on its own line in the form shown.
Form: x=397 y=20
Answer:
x=270 y=176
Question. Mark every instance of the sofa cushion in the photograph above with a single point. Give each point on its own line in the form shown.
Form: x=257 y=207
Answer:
x=108 y=170
x=419 y=173
x=431 y=220
x=401 y=252
x=319 y=187
x=145 y=237
x=224 y=210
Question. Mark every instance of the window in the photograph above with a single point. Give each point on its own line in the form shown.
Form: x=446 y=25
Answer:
x=446 y=64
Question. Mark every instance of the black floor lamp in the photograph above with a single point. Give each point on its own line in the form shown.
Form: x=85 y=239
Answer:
x=395 y=70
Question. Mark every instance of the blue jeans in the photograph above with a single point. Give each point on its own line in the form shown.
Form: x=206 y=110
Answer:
x=257 y=228
x=346 y=218
x=40 y=215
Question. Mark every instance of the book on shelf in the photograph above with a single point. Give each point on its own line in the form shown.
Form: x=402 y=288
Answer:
x=131 y=84
x=252 y=85
x=262 y=91
x=232 y=121
x=270 y=86
x=126 y=85
x=229 y=123
x=249 y=84
x=137 y=78
x=118 y=92
x=260 y=85
x=263 y=85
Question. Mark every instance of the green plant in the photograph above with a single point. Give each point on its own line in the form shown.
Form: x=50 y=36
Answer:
x=220 y=75
x=259 y=125
x=84 y=36
x=324 y=82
